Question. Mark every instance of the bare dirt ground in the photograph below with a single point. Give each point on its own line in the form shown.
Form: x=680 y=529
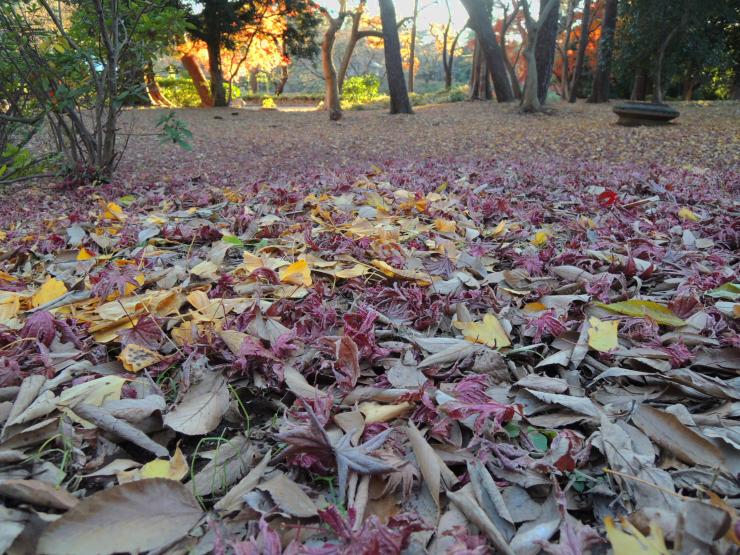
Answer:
x=274 y=141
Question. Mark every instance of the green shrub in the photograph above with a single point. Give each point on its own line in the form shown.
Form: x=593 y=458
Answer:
x=361 y=88
x=268 y=103
x=181 y=91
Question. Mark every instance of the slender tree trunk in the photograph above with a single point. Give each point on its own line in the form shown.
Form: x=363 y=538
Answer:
x=581 y=55
x=602 y=75
x=400 y=103
x=565 y=79
x=218 y=92
x=446 y=66
x=639 y=86
x=152 y=87
x=331 y=95
x=412 y=48
x=191 y=65
x=545 y=47
x=657 y=78
x=253 y=84
x=479 y=12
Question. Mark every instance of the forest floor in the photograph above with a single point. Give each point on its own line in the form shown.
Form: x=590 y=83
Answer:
x=465 y=331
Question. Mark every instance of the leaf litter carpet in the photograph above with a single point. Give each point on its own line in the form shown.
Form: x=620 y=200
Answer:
x=463 y=332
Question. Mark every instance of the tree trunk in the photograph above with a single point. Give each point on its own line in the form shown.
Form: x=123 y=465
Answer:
x=565 y=77
x=218 y=92
x=531 y=99
x=480 y=80
x=602 y=75
x=152 y=87
x=479 y=12
x=735 y=90
x=639 y=86
x=400 y=103
x=657 y=78
x=191 y=65
x=581 y=55
x=545 y=47
x=412 y=48
x=331 y=95
x=253 y=84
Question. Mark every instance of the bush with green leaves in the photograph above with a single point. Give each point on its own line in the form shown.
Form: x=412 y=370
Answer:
x=182 y=93
x=360 y=89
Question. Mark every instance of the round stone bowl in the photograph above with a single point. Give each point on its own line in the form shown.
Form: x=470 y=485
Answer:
x=644 y=113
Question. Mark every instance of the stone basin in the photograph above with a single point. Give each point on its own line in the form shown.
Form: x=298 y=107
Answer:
x=644 y=113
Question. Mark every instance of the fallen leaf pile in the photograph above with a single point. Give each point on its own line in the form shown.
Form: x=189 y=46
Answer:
x=489 y=356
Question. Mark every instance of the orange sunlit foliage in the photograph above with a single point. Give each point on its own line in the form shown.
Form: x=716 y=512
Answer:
x=597 y=12
x=258 y=47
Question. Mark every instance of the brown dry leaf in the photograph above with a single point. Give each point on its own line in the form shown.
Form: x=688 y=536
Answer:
x=465 y=501
x=667 y=431
x=120 y=428
x=36 y=492
x=234 y=498
x=135 y=357
x=134 y=517
x=428 y=461
x=230 y=461
x=202 y=406
x=289 y=497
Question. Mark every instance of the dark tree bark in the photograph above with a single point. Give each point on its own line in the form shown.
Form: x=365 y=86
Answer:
x=544 y=52
x=735 y=90
x=191 y=65
x=602 y=75
x=479 y=12
x=218 y=92
x=581 y=55
x=400 y=103
x=508 y=19
x=639 y=85
x=480 y=79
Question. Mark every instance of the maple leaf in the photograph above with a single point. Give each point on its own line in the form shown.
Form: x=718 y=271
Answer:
x=312 y=440
x=114 y=279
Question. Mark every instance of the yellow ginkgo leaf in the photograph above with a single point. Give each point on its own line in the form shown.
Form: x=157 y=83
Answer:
x=174 y=469
x=635 y=543
x=297 y=273
x=85 y=254
x=51 y=289
x=10 y=305
x=489 y=332
x=540 y=238
x=686 y=214
x=135 y=357
x=445 y=226
x=499 y=229
x=377 y=412
x=113 y=212
x=535 y=306
x=602 y=336
x=638 y=308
